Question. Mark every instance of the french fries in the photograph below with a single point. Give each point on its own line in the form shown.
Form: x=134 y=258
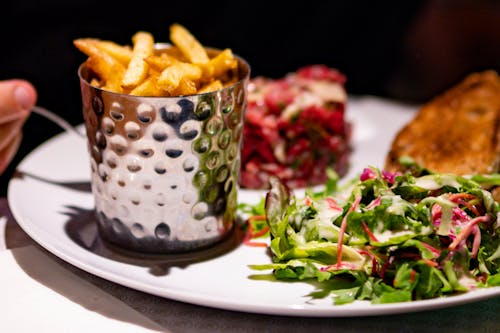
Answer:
x=121 y=53
x=160 y=62
x=222 y=63
x=148 y=87
x=137 y=69
x=212 y=86
x=185 y=68
x=188 y=44
x=171 y=76
x=102 y=63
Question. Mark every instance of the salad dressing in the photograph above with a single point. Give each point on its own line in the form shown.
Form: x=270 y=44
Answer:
x=433 y=183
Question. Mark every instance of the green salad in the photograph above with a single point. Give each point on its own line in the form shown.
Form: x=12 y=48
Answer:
x=387 y=237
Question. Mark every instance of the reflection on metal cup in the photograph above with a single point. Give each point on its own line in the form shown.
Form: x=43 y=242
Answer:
x=164 y=170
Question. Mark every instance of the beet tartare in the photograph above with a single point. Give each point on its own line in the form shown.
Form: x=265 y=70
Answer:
x=295 y=128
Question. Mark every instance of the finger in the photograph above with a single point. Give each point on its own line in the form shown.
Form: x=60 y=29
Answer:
x=10 y=130
x=9 y=151
x=17 y=97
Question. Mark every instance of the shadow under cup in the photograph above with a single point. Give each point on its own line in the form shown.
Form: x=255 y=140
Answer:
x=164 y=170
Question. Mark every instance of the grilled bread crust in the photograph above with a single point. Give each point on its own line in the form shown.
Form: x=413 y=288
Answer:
x=455 y=132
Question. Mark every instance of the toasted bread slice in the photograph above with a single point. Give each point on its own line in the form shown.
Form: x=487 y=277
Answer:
x=456 y=132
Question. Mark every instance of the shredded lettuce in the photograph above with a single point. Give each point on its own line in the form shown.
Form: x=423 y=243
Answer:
x=387 y=237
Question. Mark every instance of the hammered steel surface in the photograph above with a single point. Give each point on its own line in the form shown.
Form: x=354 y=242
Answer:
x=164 y=170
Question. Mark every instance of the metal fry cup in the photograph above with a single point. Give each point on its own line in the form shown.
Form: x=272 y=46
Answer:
x=164 y=170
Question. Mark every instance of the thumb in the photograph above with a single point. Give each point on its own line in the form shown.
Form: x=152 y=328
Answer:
x=17 y=97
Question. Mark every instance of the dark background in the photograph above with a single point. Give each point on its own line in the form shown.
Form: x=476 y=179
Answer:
x=403 y=50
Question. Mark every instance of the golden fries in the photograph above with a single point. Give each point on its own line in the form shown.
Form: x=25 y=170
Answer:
x=172 y=75
x=188 y=44
x=160 y=62
x=104 y=65
x=212 y=86
x=121 y=53
x=148 y=87
x=223 y=62
x=185 y=87
x=185 y=68
x=137 y=69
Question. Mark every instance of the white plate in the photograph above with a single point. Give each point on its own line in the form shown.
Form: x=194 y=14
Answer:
x=50 y=199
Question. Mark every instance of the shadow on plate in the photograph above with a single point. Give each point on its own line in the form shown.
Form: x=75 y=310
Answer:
x=81 y=227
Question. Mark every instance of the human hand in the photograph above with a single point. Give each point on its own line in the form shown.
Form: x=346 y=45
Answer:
x=17 y=97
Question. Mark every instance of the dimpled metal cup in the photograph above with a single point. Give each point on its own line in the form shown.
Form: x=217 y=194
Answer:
x=164 y=170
